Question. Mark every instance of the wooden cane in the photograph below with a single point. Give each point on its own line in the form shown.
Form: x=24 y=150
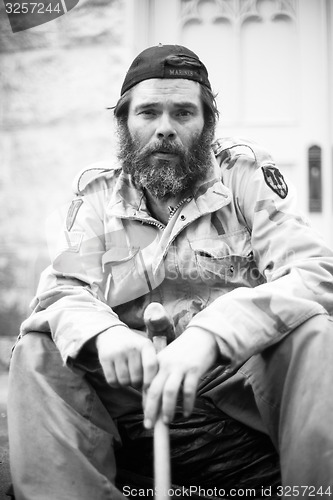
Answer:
x=160 y=330
x=162 y=468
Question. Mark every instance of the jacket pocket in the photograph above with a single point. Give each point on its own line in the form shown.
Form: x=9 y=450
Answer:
x=226 y=262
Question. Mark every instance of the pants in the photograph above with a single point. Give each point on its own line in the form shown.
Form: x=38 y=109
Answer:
x=62 y=433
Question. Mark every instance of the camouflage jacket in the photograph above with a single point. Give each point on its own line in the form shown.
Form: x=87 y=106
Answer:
x=236 y=259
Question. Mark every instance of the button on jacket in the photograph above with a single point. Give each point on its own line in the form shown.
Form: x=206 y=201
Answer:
x=236 y=259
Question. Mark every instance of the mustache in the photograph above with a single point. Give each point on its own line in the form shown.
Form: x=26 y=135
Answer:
x=162 y=147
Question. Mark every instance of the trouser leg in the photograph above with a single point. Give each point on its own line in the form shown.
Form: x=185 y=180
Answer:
x=61 y=437
x=292 y=384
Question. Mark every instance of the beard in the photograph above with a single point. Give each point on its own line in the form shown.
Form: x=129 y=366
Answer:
x=165 y=178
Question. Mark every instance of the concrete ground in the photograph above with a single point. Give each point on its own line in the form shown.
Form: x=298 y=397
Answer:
x=4 y=463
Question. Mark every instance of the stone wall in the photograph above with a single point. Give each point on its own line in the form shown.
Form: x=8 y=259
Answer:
x=56 y=81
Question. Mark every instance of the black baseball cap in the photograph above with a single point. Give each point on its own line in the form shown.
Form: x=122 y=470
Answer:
x=166 y=61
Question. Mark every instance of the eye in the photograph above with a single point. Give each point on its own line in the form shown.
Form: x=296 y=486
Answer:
x=184 y=113
x=147 y=113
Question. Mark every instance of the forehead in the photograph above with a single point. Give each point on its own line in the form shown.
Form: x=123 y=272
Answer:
x=171 y=91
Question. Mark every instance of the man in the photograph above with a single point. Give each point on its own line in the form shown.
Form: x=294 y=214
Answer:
x=212 y=232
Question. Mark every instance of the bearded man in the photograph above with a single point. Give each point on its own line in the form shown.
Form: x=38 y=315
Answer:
x=211 y=231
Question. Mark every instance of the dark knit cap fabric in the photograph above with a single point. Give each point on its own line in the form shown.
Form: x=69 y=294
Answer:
x=166 y=61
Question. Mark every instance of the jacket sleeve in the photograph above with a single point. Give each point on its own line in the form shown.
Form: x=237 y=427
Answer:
x=296 y=263
x=70 y=301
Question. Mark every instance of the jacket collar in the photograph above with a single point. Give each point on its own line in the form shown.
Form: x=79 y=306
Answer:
x=207 y=196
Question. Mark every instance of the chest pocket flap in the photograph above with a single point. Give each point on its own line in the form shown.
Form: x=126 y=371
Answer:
x=227 y=258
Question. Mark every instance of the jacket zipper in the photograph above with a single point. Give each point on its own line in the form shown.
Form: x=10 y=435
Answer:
x=160 y=225
x=152 y=223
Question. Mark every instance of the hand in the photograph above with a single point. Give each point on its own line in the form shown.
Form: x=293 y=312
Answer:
x=182 y=362
x=127 y=358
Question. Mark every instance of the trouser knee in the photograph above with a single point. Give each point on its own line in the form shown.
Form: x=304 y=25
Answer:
x=38 y=377
x=288 y=377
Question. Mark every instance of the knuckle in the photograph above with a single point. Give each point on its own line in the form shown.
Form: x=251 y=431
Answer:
x=165 y=367
x=188 y=392
x=169 y=392
x=147 y=345
x=132 y=351
x=112 y=381
x=194 y=371
x=147 y=342
x=151 y=366
x=153 y=394
x=136 y=382
x=103 y=358
x=124 y=380
x=136 y=377
x=106 y=357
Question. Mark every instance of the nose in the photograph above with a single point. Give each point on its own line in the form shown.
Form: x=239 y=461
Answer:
x=165 y=128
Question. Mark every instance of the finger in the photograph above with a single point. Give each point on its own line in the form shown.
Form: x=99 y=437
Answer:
x=149 y=363
x=170 y=394
x=122 y=371
x=190 y=386
x=110 y=374
x=135 y=367
x=153 y=400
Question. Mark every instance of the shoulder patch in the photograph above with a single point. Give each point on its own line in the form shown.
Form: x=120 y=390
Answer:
x=275 y=180
x=72 y=213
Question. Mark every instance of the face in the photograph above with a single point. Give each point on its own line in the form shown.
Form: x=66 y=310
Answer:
x=164 y=145
x=165 y=110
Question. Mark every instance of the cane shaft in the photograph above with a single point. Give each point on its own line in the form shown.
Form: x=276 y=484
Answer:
x=162 y=471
